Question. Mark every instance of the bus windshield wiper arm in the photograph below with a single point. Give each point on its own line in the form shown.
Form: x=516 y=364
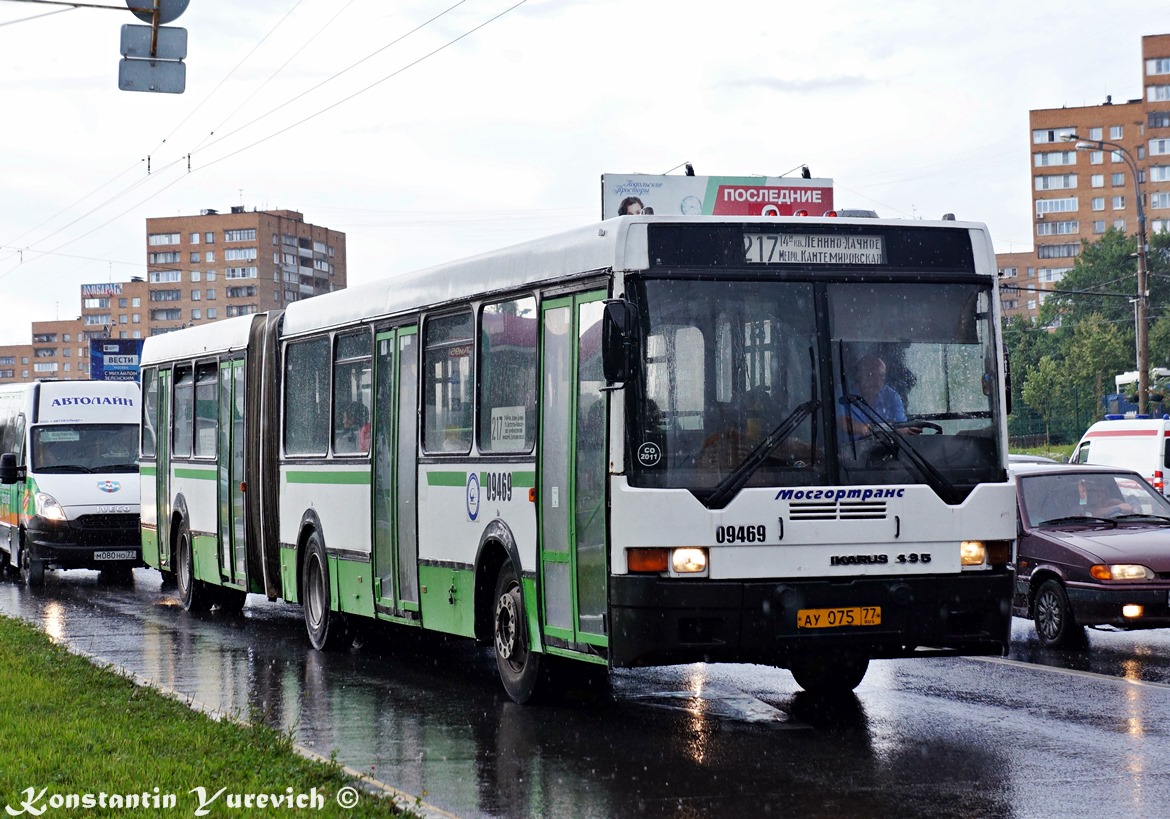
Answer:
x=886 y=433
x=742 y=473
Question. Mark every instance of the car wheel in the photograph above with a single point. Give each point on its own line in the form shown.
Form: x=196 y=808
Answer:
x=1055 y=624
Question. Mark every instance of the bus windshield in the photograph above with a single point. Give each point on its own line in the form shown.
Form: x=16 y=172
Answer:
x=798 y=383
x=81 y=448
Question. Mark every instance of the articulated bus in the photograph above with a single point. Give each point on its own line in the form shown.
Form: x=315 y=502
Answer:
x=653 y=440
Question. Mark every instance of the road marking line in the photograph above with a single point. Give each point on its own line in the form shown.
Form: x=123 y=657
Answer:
x=1070 y=671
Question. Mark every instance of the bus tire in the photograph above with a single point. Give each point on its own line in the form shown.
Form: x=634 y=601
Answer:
x=519 y=667
x=32 y=570
x=193 y=594
x=230 y=601
x=325 y=627
x=829 y=675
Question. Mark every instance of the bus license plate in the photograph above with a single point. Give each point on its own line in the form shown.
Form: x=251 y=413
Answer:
x=836 y=618
x=126 y=554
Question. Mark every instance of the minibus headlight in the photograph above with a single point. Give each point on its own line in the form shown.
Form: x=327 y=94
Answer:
x=47 y=507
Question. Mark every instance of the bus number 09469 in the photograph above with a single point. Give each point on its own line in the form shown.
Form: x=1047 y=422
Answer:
x=740 y=534
x=499 y=486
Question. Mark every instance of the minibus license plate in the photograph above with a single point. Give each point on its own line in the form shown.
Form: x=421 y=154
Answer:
x=125 y=554
x=836 y=618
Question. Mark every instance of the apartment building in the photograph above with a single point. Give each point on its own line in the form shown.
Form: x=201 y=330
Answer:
x=198 y=269
x=1078 y=194
x=217 y=265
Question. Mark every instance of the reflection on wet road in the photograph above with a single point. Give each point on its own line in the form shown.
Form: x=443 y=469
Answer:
x=961 y=737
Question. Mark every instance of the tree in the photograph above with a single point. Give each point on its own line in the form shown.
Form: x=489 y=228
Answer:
x=1099 y=351
x=1042 y=391
x=1102 y=280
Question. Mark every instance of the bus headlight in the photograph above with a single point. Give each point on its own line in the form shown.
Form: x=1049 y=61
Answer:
x=688 y=561
x=972 y=553
x=47 y=507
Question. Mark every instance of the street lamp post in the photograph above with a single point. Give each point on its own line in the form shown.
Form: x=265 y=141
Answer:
x=1142 y=302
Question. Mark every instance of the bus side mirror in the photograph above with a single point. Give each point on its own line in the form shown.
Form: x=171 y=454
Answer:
x=9 y=471
x=618 y=340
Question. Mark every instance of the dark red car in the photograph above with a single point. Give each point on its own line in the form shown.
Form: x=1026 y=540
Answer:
x=1094 y=550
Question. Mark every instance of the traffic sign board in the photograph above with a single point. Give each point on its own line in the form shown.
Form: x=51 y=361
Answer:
x=168 y=10
x=171 y=45
x=164 y=76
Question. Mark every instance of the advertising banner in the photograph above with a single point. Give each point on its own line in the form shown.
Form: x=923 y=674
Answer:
x=715 y=195
x=114 y=359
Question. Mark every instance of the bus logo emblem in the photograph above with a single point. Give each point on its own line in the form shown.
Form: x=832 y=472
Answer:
x=109 y=486
x=472 y=496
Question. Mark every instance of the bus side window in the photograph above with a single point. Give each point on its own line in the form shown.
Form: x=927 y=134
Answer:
x=306 y=397
x=447 y=383
x=508 y=342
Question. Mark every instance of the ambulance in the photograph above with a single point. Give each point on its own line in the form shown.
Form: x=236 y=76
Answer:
x=69 y=478
x=1133 y=443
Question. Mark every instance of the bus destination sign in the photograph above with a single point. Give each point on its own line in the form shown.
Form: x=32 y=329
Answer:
x=812 y=248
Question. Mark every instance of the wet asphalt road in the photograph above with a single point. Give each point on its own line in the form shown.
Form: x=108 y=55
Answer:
x=1038 y=734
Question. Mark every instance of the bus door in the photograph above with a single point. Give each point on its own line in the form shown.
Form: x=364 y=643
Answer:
x=572 y=474
x=233 y=552
x=162 y=475
x=395 y=454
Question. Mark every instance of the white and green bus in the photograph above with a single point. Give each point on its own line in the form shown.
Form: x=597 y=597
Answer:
x=653 y=440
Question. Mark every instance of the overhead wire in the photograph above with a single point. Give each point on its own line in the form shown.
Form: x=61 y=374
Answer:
x=36 y=16
x=372 y=85
x=150 y=153
x=369 y=56
x=270 y=136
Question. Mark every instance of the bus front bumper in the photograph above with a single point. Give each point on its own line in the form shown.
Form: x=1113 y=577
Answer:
x=91 y=542
x=662 y=621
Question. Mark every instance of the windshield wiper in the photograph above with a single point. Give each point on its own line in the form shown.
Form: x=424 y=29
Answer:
x=884 y=431
x=64 y=468
x=1078 y=519
x=734 y=482
x=1162 y=519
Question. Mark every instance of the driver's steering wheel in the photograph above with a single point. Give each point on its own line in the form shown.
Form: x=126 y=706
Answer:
x=931 y=425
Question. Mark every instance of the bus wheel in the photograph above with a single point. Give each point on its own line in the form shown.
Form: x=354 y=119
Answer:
x=831 y=675
x=193 y=594
x=519 y=668
x=230 y=601
x=32 y=570
x=326 y=628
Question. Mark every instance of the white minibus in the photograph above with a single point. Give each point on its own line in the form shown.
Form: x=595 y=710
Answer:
x=68 y=477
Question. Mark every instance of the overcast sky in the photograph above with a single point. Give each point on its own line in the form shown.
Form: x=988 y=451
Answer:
x=428 y=130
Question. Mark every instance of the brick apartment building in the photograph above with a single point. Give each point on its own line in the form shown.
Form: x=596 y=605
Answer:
x=1080 y=194
x=198 y=269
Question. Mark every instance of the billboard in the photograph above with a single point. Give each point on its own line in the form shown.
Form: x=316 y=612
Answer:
x=716 y=195
x=114 y=359
x=93 y=290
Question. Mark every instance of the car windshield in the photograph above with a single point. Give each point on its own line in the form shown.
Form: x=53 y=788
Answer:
x=95 y=448
x=1062 y=498
x=791 y=383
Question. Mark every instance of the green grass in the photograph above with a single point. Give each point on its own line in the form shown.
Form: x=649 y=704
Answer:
x=73 y=728
x=1059 y=452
